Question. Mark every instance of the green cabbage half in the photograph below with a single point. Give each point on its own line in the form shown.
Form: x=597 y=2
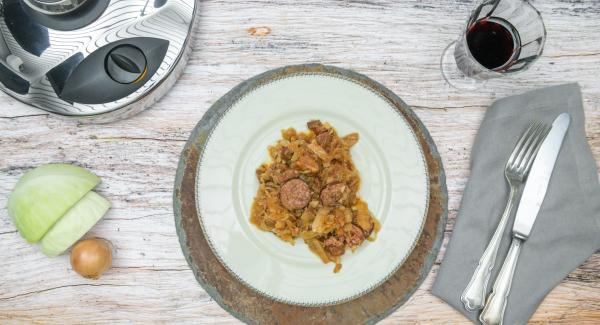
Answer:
x=74 y=224
x=43 y=195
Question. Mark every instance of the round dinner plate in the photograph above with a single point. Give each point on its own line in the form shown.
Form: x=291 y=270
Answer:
x=262 y=280
x=388 y=157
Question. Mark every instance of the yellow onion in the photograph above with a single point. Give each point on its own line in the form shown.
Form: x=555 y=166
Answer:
x=90 y=258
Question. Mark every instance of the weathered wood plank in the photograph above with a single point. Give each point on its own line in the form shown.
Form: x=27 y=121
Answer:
x=395 y=42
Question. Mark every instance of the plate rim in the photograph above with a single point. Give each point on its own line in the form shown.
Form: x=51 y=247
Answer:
x=392 y=107
x=193 y=150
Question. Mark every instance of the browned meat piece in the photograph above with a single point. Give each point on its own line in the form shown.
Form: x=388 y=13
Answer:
x=316 y=126
x=286 y=153
x=307 y=164
x=355 y=237
x=334 y=194
x=282 y=176
x=334 y=245
x=324 y=140
x=294 y=194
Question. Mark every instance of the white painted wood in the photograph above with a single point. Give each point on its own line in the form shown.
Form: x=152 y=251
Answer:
x=395 y=42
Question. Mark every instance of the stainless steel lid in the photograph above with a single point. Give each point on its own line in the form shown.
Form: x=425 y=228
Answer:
x=90 y=57
x=54 y=7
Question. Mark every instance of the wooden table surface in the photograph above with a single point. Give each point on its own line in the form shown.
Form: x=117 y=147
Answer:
x=395 y=42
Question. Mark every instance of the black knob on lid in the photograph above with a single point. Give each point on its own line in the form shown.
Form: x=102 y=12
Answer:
x=126 y=64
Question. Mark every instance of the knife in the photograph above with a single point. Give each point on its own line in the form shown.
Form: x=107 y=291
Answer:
x=529 y=206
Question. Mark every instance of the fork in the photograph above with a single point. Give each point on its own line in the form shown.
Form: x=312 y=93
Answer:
x=515 y=171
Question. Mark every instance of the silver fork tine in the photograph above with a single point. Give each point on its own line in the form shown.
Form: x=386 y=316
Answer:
x=529 y=147
x=537 y=146
x=530 y=137
x=519 y=144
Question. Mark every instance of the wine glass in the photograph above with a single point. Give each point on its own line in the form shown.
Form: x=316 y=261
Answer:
x=501 y=37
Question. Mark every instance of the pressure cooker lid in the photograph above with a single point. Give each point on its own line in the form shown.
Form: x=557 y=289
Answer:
x=88 y=57
x=54 y=7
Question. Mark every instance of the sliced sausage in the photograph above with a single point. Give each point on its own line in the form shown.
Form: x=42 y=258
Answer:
x=334 y=194
x=294 y=194
x=355 y=237
x=334 y=245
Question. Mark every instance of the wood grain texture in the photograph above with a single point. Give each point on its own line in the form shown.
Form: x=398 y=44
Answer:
x=397 y=43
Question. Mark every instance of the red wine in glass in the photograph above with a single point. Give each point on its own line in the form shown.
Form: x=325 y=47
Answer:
x=493 y=42
x=500 y=38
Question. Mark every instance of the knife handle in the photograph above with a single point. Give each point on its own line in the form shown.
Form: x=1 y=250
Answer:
x=493 y=312
x=474 y=295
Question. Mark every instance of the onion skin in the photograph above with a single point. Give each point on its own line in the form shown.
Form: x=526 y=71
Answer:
x=90 y=258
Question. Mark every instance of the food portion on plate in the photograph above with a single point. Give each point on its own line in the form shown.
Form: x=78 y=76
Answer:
x=309 y=190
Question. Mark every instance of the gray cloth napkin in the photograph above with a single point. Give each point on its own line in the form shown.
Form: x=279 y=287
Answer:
x=567 y=229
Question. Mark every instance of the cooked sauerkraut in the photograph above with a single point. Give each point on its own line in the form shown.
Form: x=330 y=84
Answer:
x=309 y=190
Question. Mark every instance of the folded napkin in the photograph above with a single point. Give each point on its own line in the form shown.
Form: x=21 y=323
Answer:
x=567 y=228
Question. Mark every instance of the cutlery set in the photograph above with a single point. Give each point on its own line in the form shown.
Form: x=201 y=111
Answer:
x=528 y=173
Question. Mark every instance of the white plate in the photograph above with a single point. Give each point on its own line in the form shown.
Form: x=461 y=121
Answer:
x=388 y=157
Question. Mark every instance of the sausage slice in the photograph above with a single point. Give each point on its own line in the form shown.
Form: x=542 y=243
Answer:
x=294 y=194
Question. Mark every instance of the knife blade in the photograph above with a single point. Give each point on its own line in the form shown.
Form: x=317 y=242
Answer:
x=539 y=177
x=529 y=207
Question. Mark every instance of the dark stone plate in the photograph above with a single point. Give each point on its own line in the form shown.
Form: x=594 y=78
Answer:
x=254 y=308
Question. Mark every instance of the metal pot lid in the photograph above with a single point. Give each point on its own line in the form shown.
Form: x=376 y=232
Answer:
x=54 y=7
x=82 y=58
